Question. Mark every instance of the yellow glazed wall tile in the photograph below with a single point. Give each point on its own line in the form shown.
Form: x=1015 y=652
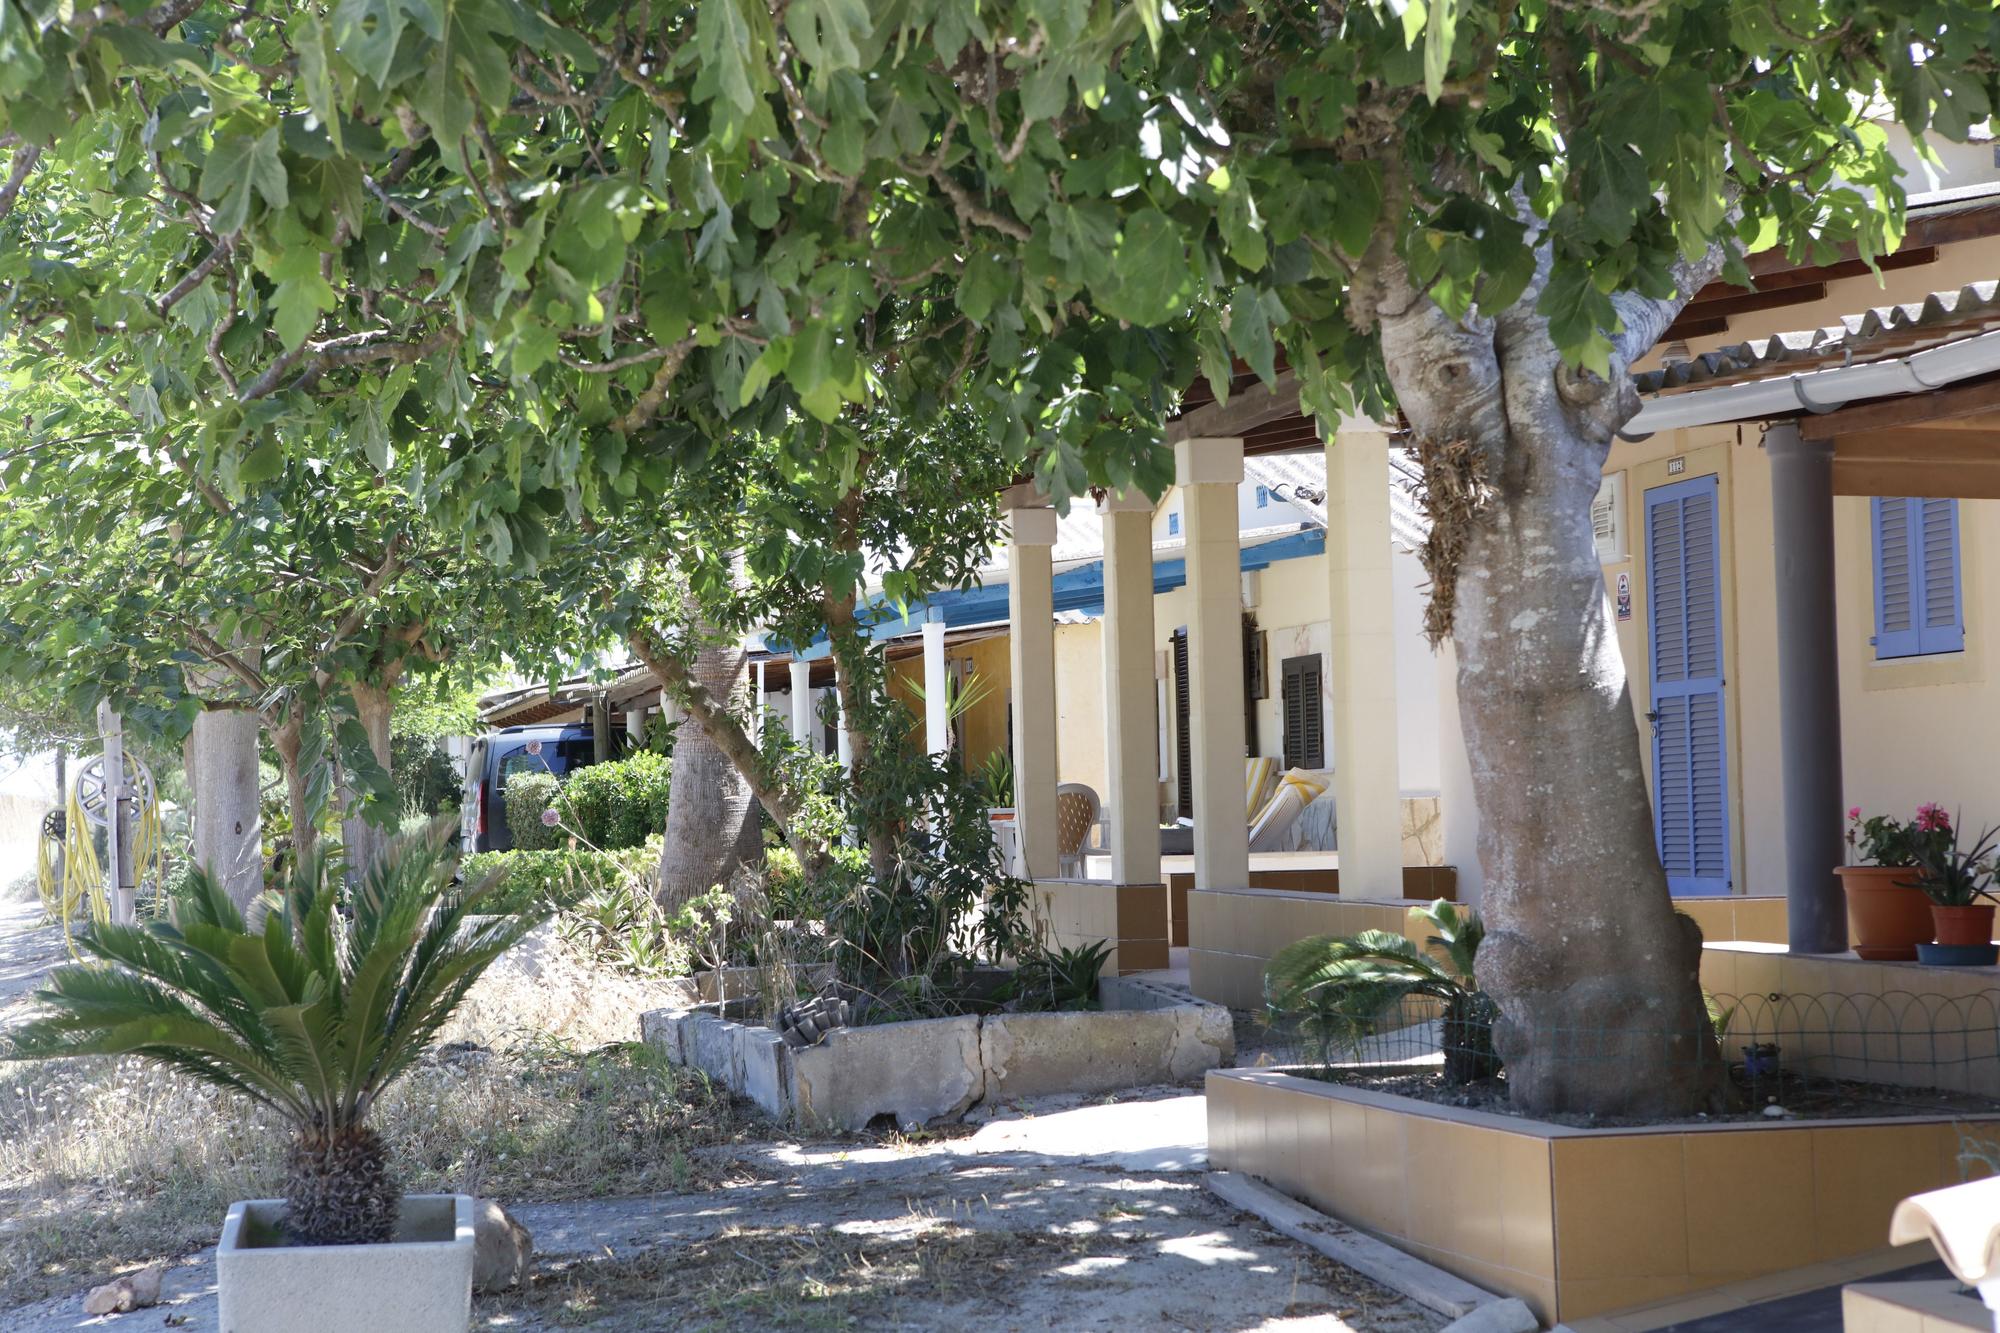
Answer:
x=1383 y=1196
x=1454 y=1194
x=1750 y=1201
x=1859 y=1176
x=1527 y=1203
x=1621 y=1209
x=1332 y=1178
x=1582 y=1297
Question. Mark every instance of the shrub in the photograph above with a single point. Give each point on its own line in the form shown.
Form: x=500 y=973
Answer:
x=528 y=794
x=560 y=876
x=1342 y=989
x=618 y=804
x=785 y=885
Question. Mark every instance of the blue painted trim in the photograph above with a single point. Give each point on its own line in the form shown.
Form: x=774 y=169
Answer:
x=1080 y=589
x=1931 y=629
x=1684 y=882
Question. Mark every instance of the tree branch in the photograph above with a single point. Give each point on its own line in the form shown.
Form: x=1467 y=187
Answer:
x=24 y=162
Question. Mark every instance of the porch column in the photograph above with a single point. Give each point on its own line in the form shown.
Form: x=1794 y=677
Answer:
x=1130 y=717
x=801 y=701
x=635 y=722
x=762 y=710
x=1209 y=472
x=1031 y=633
x=1362 y=671
x=937 y=718
x=843 y=739
x=1808 y=688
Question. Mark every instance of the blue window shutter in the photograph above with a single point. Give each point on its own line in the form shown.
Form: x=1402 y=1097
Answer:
x=1942 y=629
x=1919 y=606
x=1896 y=633
x=1173 y=525
x=1263 y=497
x=1690 y=761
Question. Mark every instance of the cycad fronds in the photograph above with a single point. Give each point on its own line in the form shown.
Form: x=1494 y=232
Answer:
x=314 y=1014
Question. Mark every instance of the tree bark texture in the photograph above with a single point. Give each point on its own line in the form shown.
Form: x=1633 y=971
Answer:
x=287 y=739
x=362 y=840
x=844 y=638
x=711 y=810
x=221 y=757
x=1595 y=974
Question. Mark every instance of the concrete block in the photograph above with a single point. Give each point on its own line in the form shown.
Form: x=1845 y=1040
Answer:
x=917 y=1072
x=710 y=1046
x=1029 y=1055
x=1426 y=1284
x=1509 y=1316
x=1204 y=1039
x=420 y=1282
x=766 y=1070
x=660 y=1029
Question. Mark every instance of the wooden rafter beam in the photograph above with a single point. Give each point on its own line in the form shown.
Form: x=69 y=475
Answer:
x=1960 y=400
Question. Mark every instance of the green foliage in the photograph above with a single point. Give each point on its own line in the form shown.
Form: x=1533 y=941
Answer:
x=1881 y=841
x=1341 y=990
x=528 y=797
x=555 y=878
x=1061 y=979
x=311 y=1017
x=618 y=804
x=426 y=783
x=1951 y=876
x=785 y=885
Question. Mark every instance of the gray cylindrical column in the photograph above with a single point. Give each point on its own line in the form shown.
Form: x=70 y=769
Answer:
x=1808 y=688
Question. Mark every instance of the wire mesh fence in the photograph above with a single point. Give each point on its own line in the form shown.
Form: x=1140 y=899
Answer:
x=1831 y=1053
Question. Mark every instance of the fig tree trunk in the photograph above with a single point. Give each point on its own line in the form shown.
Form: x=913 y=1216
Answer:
x=711 y=811
x=1595 y=973
x=362 y=839
x=221 y=758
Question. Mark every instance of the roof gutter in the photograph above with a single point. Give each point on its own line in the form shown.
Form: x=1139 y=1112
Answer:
x=1819 y=390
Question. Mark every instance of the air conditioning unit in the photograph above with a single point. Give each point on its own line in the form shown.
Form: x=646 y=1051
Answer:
x=1607 y=518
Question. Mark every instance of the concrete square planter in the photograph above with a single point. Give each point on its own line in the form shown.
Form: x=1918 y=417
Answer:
x=420 y=1282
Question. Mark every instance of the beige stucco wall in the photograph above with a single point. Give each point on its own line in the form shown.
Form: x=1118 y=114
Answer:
x=1911 y=731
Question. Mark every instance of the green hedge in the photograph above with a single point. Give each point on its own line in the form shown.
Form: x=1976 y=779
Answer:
x=542 y=878
x=618 y=804
x=528 y=794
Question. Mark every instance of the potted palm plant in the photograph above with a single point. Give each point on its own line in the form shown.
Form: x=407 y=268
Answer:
x=1885 y=904
x=311 y=1016
x=1956 y=881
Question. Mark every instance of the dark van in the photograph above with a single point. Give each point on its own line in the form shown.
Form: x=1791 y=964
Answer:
x=497 y=757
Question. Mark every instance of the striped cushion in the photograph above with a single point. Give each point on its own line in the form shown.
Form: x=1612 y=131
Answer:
x=1260 y=780
x=1308 y=783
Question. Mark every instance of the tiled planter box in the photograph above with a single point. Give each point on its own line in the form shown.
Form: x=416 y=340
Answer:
x=938 y=1069
x=1578 y=1222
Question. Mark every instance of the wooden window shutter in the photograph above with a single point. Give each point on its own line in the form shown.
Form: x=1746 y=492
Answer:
x=1305 y=713
x=1183 y=745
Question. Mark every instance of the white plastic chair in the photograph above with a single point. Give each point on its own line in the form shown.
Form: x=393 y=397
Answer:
x=1079 y=829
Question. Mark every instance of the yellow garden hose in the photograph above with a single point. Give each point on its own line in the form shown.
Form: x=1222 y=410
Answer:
x=83 y=871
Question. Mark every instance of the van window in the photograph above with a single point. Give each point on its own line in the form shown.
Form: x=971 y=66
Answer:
x=557 y=757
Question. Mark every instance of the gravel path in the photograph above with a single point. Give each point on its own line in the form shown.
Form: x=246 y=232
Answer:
x=1083 y=1217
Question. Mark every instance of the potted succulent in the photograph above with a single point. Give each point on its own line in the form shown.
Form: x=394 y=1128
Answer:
x=311 y=1015
x=1956 y=881
x=1885 y=904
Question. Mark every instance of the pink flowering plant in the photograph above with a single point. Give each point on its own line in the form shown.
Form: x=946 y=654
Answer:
x=1881 y=841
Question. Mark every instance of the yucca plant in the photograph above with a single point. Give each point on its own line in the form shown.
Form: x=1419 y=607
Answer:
x=1340 y=989
x=312 y=1014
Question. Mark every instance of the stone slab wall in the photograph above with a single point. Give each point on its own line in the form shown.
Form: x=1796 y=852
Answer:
x=938 y=1069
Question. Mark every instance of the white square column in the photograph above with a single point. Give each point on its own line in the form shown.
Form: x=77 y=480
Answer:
x=1031 y=632
x=1130 y=700
x=1362 y=671
x=937 y=716
x=1209 y=472
x=761 y=711
x=801 y=701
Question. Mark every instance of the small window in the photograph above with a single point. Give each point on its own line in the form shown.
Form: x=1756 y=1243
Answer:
x=1919 y=606
x=1173 y=525
x=1305 y=713
x=1263 y=497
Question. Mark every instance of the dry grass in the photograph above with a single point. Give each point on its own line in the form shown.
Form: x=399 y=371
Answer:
x=533 y=1096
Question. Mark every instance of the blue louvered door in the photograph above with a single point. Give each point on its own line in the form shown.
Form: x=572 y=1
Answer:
x=1684 y=631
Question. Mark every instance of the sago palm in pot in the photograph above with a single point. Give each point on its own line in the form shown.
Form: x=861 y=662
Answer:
x=313 y=1015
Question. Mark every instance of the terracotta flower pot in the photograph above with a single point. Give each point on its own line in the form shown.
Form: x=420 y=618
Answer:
x=1963 y=925
x=1888 y=914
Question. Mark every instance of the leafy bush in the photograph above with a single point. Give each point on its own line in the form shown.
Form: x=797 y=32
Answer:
x=1341 y=989
x=528 y=794
x=1060 y=979
x=785 y=886
x=618 y=804
x=560 y=876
